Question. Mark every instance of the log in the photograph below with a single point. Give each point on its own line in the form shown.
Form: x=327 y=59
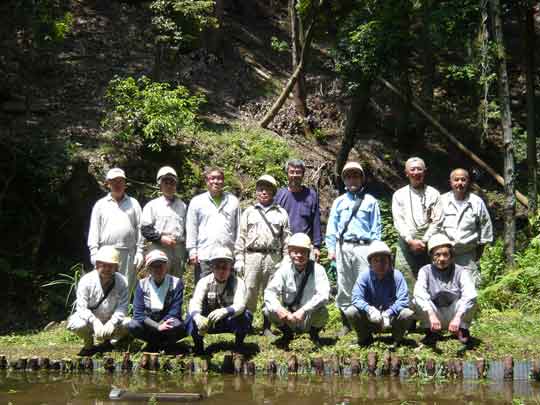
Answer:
x=292 y=364
x=431 y=367
x=118 y=394
x=33 y=364
x=238 y=363
x=154 y=361
x=44 y=363
x=355 y=367
x=228 y=364
x=458 y=367
x=535 y=370
x=318 y=365
x=3 y=362
x=395 y=366
x=127 y=364
x=250 y=368
x=372 y=363
x=272 y=367
x=205 y=364
x=481 y=368
x=508 y=365
x=56 y=365
x=386 y=364
x=88 y=364
x=21 y=363
x=469 y=153
x=108 y=364
x=145 y=361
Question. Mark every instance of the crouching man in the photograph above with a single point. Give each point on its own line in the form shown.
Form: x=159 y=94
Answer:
x=102 y=303
x=380 y=298
x=218 y=303
x=295 y=300
x=157 y=307
x=444 y=294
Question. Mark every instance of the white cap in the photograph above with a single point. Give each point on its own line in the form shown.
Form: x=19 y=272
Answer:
x=108 y=254
x=166 y=171
x=155 y=256
x=221 y=253
x=266 y=178
x=378 y=247
x=115 y=173
x=438 y=240
x=350 y=166
x=300 y=240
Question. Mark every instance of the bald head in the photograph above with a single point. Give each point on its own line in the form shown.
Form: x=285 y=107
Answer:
x=459 y=182
x=459 y=172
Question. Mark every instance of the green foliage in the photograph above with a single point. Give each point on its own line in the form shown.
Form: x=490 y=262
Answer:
x=278 y=45
x=48 y=20
x=151 y=113
x=69 y=280
x=389 y=233
x=178 y=23
x=492 y=263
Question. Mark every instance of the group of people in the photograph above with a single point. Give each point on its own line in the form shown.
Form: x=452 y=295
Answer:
x=270 y=250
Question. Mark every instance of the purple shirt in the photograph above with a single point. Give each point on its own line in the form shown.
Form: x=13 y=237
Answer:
x=303 y=210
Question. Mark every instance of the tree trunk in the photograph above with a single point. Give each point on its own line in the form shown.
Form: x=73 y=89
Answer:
x=355 y=115
x=506 y=122
x=428 y=62
x=403 y=107
x=529 y=36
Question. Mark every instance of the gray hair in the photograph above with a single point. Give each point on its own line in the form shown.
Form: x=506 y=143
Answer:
x=412 y=160
x=295 y=163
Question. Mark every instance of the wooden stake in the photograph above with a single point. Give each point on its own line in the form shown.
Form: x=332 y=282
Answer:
x=372 y=363
x=508 y=364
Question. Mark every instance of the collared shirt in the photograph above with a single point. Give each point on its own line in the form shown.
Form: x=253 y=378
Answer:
x=284 y=285
x=255 y=234
x=366 y=224
x=209 y=225
x=90 y=292
x=162 y=216
x=467 y=225
x=208 y=285
x=170 y=298
x=115 y=224
x=417 y=213
x=303 y=210
x=436 y=287
x=388 y=293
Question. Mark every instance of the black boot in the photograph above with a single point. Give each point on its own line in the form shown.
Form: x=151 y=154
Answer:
x=346 y=328
x=266 y=328
x=239 y=342
x=198 y=348
x=314 y=336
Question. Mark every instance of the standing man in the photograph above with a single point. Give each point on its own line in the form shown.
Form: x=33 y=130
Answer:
x=380 y=298
x=212 y=220
x=466 y=222
x=115 y=222
x=354 y=222
x=262 y=242
x=102 y=304
x=218 y=304
x=164 y=220
x=417 y=213
x=296 y=297
x=302 y=205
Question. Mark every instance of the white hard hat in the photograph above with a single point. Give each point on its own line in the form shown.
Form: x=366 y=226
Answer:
x=438 y=240
x=300 y=240
x=221 y=253
x=115 y=173
x=266 y=178
x=155 y=256
x=166 y=171
x=378 y=247
x=350 y=166
x=108 y=254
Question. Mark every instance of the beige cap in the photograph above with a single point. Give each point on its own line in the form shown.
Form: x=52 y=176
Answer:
x=115 y=173
x=166 y=171
x=438 y=240
x=266 y=178
x=378 y=247
x=155 y=256
x=221 y=253
x=300 y=240
x=350 y=166
x=108 y=254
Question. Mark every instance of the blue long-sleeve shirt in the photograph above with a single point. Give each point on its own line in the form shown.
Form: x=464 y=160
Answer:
x=365 y=225
x=303 y=210
x=389 y=293
x=172 y=307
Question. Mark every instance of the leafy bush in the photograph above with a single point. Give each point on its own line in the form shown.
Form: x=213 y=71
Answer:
x=151 y=113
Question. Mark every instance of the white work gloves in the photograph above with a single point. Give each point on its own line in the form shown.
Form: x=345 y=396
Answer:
x=108 y=330
x=239 y=269
x=202 y=324
x=139 y=260
x=374 y=315
x=386 y=320
x=98 y=329
x=217 y=315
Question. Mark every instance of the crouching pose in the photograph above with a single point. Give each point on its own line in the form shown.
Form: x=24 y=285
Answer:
x=218 y=303
x=102 y=303
x=380 y=298
x=444 y=295
x=295 y=300
x=157 y=307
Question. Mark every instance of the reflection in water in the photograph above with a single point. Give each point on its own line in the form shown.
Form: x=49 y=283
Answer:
x=54 y=387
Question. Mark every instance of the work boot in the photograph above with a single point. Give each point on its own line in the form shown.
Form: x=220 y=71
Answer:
x=367 y=341
x=105 y=347
x=346 y=328
x=87 y=351
x=431 y=338
x=266 y=327
x=464 y=336
x=314 y=336
x=198 y=346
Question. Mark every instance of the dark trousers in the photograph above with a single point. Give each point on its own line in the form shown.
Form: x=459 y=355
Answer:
x=154 y=336
x=202 y=269
x=239 y=325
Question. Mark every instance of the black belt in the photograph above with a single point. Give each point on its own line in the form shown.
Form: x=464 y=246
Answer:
x=357 y=241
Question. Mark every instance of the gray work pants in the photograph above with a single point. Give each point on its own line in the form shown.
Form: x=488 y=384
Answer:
x=176 y=256
x=445 y=315
x=258 y=271
x=408 y=264
x=351 y=260
x=469 y=261
x=85 y=329
x=127 y=268
x=364 y=328
x=316 y=319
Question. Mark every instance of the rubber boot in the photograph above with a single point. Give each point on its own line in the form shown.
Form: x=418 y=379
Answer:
x=314 y=336
x=198 y=345
x=346 y=328
x=239 y=342
x=266 y=328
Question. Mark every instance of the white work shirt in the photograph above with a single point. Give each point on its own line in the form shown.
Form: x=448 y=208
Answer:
x=417 y=214
x=166 y=216
x=282 y=289
x=201 y=290
x=467 y=224
x=115 y=224
x=90 y=292
x=208 y=225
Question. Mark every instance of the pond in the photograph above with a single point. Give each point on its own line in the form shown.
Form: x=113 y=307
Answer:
x=54 y=388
